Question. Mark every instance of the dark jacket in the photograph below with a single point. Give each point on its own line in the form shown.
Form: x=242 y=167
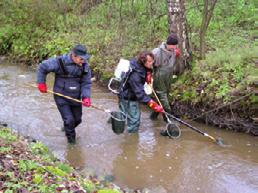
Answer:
x=74 y=82
x=133 y=89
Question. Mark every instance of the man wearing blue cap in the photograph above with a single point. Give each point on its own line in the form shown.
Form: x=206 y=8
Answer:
x=73 y=79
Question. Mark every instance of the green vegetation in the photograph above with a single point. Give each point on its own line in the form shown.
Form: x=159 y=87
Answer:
x=228 y=69
x=31 y=168
x=223 y=75
x=33 y=30
x=28 y=34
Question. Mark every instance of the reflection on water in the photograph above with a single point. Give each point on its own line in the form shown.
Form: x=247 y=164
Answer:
x=191 y=163
x=75 y=156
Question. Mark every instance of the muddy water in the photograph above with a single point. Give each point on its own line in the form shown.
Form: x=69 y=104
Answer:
x=191 y=163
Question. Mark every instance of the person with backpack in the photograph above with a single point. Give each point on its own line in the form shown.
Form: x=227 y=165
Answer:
x=73 y=79
x=132 y=92
x=164 y=69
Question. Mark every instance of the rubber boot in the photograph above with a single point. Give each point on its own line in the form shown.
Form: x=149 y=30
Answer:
x=71 y=140
x=163 y=133
x=173 y=131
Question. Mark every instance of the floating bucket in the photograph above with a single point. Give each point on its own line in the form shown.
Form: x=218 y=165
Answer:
x=118 y=122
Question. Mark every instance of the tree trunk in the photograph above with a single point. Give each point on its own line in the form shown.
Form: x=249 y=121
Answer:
x=177 y=24
x=207 y=15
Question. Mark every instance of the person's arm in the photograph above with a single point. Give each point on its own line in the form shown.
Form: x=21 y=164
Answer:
x=86 y=86
x=47 y=66
x=138 y=88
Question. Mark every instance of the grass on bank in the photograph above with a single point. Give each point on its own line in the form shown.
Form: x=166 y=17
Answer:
x=223 y=76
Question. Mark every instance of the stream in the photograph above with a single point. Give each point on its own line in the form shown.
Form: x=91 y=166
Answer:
x=192 y=163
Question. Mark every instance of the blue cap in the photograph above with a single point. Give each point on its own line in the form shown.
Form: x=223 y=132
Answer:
x=81 y=51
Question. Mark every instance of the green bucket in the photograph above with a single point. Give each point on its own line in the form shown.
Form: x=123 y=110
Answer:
x=118 y=122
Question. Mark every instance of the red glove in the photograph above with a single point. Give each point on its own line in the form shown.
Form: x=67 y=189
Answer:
x=42 y=87
x=86 y=102
x=148 y=77
x=177 y=52
x=155 y=107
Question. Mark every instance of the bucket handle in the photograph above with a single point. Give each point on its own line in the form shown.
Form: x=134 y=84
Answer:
x=124 y=115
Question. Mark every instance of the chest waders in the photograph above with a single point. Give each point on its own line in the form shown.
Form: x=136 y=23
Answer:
x=162 y=80
x=130 y=108
x=70 y=111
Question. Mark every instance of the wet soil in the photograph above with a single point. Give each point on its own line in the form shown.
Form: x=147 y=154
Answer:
x=237 y=117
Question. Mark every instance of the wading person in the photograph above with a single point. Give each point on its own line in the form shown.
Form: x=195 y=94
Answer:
x=73 y=79
x=164 y=69
x=132 y=93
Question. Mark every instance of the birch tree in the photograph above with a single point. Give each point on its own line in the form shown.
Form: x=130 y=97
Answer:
x=177 y=24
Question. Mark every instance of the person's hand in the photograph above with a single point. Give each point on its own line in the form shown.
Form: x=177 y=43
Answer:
x=177 y=52
x=149 y=77
x=155 y=107
x=42 y=87
x=86 y=102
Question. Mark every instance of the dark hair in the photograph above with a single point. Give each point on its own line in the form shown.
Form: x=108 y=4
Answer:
x=142 y=57
x=172 y=39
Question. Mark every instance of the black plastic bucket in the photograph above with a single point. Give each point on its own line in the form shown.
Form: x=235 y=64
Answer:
x=118 y=122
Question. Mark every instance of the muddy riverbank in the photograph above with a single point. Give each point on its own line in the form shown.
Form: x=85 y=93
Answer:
x=237 y=117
